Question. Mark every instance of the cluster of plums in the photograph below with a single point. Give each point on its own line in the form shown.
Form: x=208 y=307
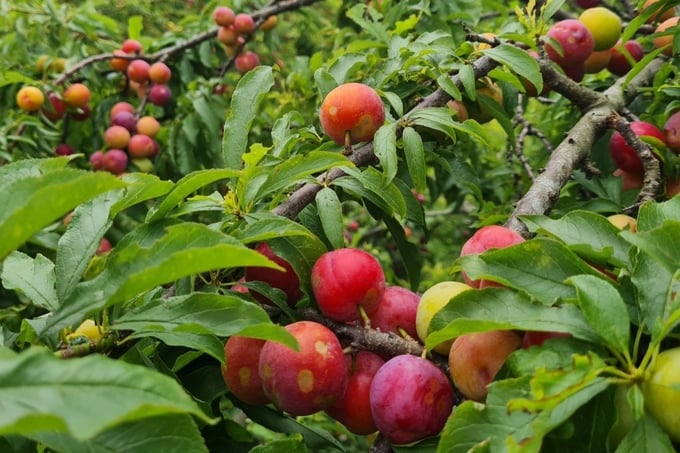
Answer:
x=361 y=389
x=233 y=29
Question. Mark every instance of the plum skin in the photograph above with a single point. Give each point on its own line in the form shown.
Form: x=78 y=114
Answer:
x=309 y=380
x=411 y=399
x=352 y=108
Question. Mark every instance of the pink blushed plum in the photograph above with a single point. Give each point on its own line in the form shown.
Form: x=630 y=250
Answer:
x=286 y=280
x=346 y=279
x=411 y=399
x=396 y=312
x=488 y=237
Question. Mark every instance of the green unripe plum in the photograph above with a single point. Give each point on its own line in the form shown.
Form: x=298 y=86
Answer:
x=662 y=392
x=603 y=24
x=433 y=300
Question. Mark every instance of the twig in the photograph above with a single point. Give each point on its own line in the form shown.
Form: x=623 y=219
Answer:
x=544 y=192
x=363 y=155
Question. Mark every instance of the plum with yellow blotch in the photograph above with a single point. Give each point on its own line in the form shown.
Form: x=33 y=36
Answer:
x=30 y=99
x=309 y=380
x=241 y=369
x=476 y=358
x=77 y=95
x=661 y=389
x=351 y=113
x=410 y=398
x=431 y=302
x=285 y=280
x=346 y=281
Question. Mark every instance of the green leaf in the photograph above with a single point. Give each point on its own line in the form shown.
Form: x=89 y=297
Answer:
x=33 y=277
x=174 y=432
x=586 y=233
x=278 y=178
x=31 y=202
x=200 y=313
x=434 y=118
x=604 y=309
x=385 y=149
x=203 y=343
x=646 y=435
x=140 y=187
x=518 y=61
x=368 y=184
x=653 y=214
x=466 y=74
x=154 y=255
x=293 y=444
x=186 y=186
x=653 y=290
x=660 y=243
x=539 y=267
x=135 y=27
x=484 y=427
x=82 y=397
x=415 y=158
x=77 y=245
x=315 y=438
x=330 y=213
x=504 y=309
x=262 y=226
x=245 y=101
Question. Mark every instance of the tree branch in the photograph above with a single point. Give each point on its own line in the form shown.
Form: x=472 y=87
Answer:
x=364 y=155
x=544 y=192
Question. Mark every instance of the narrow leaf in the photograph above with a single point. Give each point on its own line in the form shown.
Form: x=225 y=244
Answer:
x=604 y=309
x=518 y=61
x=385 y=148
x=415 y=158
x=646 y=435
x=539 y=267
x=186 y=186
x=368 y=184
x=330 y=213
x=150 y=256
x=245 y=101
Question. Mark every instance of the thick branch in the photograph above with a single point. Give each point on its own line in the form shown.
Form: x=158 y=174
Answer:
x=364 y=154
x=544 y=192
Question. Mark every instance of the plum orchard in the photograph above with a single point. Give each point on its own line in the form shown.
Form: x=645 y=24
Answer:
x=434 y=226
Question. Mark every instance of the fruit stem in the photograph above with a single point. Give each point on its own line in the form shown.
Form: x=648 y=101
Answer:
x=365 y=320
x=348 y=144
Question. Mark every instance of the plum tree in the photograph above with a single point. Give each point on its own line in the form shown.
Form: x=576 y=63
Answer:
x=309 y=380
